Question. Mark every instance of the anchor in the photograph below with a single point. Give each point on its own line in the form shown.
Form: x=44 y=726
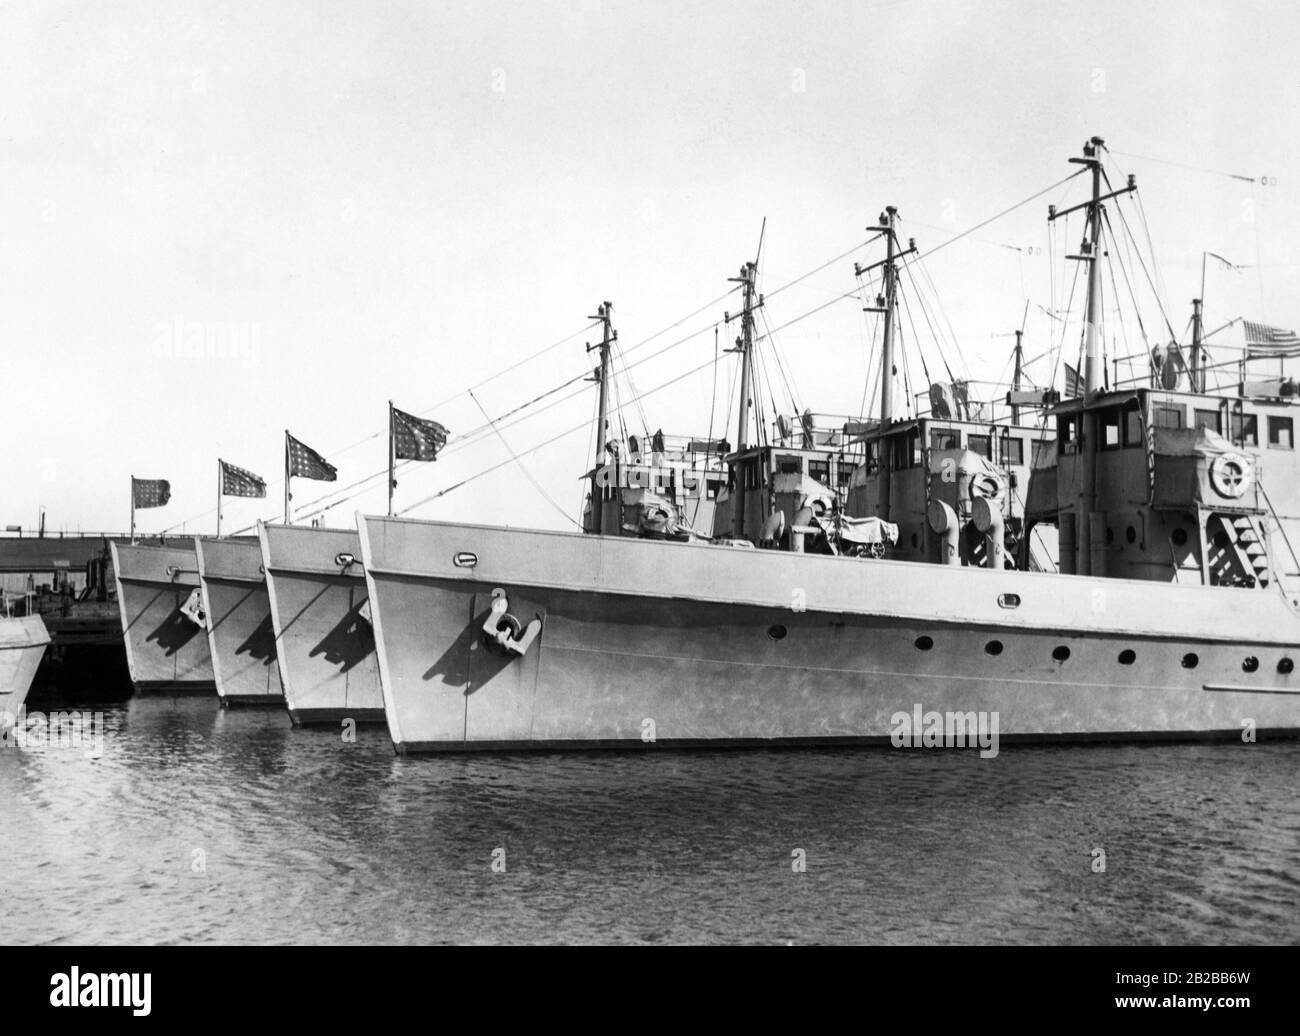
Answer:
x=502 y=632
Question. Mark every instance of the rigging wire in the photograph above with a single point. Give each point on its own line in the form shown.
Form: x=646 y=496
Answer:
x=776 y=356
x=829 y=262
x=527 y=474
x=482 y=430
x=713 y=392
x=924 y=312
x=1142 y=263
x=556 y=438
x=427 y=412
x=1004 y=212
x=1182 y=165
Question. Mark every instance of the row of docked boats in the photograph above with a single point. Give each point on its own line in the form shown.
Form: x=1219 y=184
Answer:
x=1111 y=566
x=278 y=620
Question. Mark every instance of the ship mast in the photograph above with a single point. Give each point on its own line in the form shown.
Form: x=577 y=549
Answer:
x=1197 y=371
x=745 y=346
x=1016 y=377
x=605 y=314
x=1090 y=252
x=886 y=304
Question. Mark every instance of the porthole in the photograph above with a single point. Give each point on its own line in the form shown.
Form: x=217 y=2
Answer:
x=1285 y=666
x=1131 y=534
x=1127 y=657
x=1191 y=660
x=993 y=647
x=1008 y=600
x=1061 y=653
x=777 y=632
x=1249 y=664
x=1179 y=536
x=924 y=643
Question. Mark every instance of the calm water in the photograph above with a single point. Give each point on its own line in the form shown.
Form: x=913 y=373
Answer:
x=203 y=826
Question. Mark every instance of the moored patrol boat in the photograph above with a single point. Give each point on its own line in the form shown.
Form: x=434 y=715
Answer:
x=238 y=621
x=1170 y=614
x=319 y=613
x=163 y=624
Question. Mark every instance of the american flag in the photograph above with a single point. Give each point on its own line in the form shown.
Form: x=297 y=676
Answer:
x=304 y=462
x=1073 y=383
x=150 y=492
x=414 y=438
x=1264 y=342
x=239 y=482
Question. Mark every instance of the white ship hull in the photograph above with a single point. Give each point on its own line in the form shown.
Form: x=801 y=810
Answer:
x=695 y=644
x=323 y=639
x=240 y=635
x=165 y=651
x=22 y=643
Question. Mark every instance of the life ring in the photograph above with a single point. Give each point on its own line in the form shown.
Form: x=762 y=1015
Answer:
x=1231 y=474
x=985 y=485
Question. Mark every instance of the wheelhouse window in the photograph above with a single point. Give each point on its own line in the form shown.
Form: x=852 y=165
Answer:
x=1133 y=426
x=905 y=449
x=945 y=438
x=1281 y=433
x=981 y=444
x=1013 y=449
x=1108 y=425
x=1210 y=420
x=786 y=464
x=820 y=470
x=1167 y=416
x=1245 y=429
x=1067 y=432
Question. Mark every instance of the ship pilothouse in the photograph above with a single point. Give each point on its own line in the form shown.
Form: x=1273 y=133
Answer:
x=944 y=484
x=1165 y=478
x=1159 y=477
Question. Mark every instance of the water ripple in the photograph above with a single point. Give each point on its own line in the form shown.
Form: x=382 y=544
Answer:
x=203 y=826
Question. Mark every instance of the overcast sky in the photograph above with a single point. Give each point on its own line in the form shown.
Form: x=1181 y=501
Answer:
x=349 y=202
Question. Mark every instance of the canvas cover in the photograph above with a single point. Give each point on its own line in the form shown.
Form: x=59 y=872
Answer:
x=1198 y=467
x=867 y=530
x=1041 y=500
x=797 y=484
x=958 y=476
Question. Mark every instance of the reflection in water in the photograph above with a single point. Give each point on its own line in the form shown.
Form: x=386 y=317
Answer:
x=199 y=825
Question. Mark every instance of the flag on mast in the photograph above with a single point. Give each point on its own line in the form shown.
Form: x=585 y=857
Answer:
x=1264 y=342
x=1073 y=383
x=150 y=492
x=304 y=462
x=415 y=438
x=1224 y=262
x=237 y=481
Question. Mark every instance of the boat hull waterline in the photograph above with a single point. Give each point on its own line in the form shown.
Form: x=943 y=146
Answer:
x=650 y=642
x=323 y=637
